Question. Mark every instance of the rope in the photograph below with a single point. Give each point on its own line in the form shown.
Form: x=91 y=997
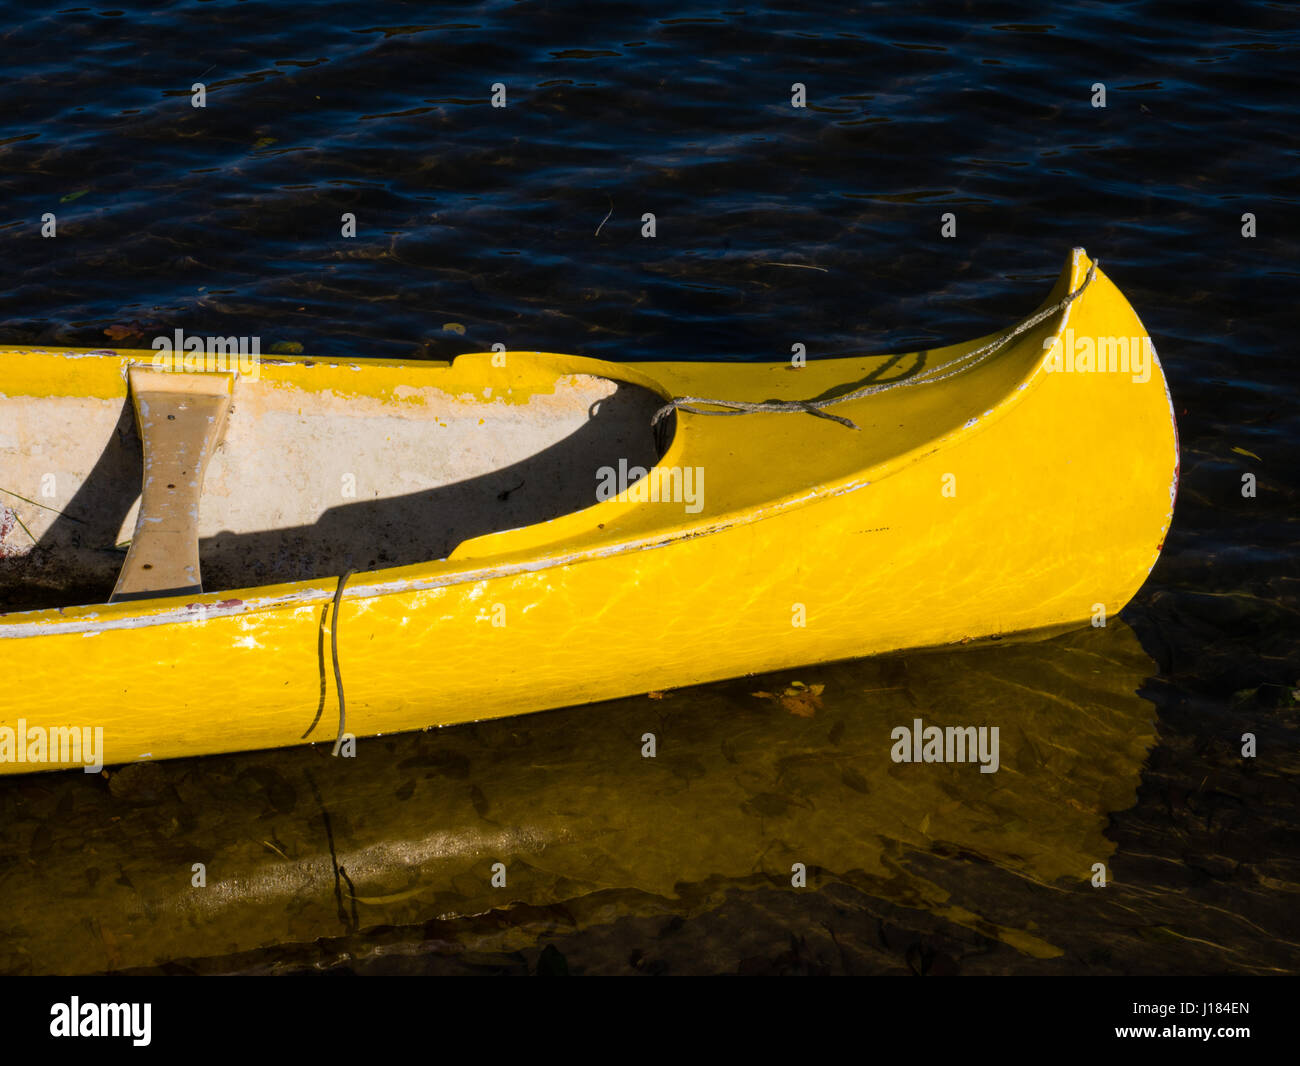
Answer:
x=334 y=651
x=962 y=363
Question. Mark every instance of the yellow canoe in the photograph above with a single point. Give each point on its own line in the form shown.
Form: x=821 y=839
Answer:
x=471 y=540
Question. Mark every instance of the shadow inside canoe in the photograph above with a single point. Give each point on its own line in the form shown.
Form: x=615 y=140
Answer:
x=75 y=560
x=420 y=526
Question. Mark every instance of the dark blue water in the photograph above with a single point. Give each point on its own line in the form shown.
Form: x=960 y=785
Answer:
x=523 y=225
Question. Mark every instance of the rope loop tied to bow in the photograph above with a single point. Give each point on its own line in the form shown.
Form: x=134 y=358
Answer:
x=959 y=365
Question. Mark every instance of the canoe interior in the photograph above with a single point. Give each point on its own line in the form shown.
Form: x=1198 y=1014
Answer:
x=307 y=484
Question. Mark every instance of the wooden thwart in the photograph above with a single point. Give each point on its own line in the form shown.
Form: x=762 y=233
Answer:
x=181 y=418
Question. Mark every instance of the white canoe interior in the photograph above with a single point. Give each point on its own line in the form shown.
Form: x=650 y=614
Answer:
x=303 y=485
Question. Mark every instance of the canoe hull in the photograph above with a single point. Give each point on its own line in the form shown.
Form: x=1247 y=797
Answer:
x=1050 y=511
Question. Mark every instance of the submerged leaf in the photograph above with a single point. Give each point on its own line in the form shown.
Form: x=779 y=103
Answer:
x=800 y=699
x=803 y=700
x=119 y=331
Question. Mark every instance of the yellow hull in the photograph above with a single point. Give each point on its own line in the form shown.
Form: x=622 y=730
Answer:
x=1004 y=499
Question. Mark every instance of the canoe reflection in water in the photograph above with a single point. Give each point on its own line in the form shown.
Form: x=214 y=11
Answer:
x=402 y=840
